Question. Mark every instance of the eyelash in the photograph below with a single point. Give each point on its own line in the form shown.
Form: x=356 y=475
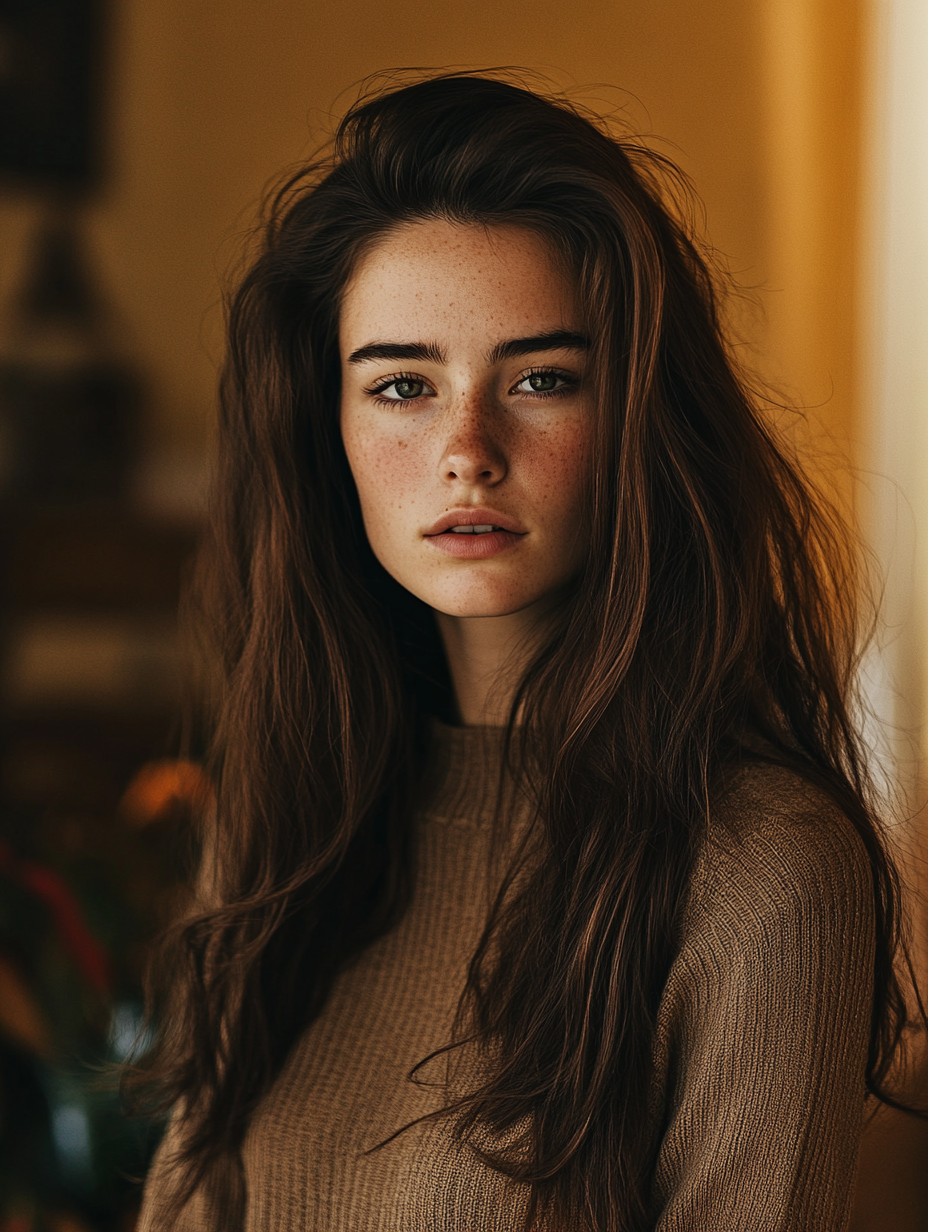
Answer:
x=379 y=386
x=570 y=383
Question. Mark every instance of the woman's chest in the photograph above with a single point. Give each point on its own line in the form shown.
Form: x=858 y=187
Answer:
x=321 y=1154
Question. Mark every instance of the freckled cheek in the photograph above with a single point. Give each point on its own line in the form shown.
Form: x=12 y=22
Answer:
x=388 y=471
x=555 y=469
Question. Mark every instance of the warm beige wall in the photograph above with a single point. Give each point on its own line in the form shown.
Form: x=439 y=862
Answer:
x=813 y=54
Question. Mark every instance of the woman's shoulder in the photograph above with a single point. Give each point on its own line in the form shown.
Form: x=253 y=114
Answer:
x=780 y=914
x=779 y=847
x=762 y=1031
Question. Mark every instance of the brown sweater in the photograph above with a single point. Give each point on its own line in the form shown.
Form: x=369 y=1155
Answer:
x=760 y=1049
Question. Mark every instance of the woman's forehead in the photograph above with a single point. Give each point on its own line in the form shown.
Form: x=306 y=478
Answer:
x=437 y=275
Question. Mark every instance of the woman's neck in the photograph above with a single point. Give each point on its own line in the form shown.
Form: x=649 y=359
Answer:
x=486 y=657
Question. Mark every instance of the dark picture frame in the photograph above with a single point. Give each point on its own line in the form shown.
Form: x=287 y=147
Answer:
x=50 y=93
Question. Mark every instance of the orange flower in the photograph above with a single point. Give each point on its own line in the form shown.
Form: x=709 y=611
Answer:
x=161 y=787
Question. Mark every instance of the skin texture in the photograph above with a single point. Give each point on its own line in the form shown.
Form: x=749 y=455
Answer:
x=463 y=429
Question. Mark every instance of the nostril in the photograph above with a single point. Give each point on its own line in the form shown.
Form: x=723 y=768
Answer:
x=462 y=466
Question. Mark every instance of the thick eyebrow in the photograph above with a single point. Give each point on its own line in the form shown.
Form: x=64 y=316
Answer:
x=425 y=352
x=513 y=348
x=556 y=340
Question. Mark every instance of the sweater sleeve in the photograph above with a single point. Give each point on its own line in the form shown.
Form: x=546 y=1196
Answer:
x=764 y=1024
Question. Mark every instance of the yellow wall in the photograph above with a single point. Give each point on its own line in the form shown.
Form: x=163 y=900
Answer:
x=813 y=52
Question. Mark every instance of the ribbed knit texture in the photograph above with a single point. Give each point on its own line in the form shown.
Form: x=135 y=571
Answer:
x=760 y=1050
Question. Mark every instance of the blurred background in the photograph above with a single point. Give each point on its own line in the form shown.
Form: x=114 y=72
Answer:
x=136 y=137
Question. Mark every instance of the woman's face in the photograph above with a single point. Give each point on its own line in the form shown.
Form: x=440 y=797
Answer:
x=465 y=415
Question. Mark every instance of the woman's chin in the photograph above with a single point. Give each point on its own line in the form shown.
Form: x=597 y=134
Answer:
x=484 y=606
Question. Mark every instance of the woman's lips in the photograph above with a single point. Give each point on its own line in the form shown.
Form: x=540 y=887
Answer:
x=464 y=519
x=474 y=546
x=474 y=533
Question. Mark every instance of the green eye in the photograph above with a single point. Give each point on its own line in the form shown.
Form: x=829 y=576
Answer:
x=408 y=389
x=543 y=382
x=400 y=389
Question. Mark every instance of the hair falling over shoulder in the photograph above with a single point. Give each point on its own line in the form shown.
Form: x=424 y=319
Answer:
x=718 y=602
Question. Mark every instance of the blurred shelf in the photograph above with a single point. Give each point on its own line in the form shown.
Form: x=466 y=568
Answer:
x=78 y=759
x=89 y=611
x=107 y=557
x=93 y=660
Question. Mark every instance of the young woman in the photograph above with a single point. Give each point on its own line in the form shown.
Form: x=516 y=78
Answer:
x=543 y=889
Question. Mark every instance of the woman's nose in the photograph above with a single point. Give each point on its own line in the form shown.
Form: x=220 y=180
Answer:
x=472 y=454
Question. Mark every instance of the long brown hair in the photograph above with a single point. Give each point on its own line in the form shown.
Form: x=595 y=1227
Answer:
x=716 y=602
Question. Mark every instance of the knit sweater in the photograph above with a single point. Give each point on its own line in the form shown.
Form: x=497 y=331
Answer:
x=759 y=1052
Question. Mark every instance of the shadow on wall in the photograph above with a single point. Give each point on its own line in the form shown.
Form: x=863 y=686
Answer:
x=892 y=1186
